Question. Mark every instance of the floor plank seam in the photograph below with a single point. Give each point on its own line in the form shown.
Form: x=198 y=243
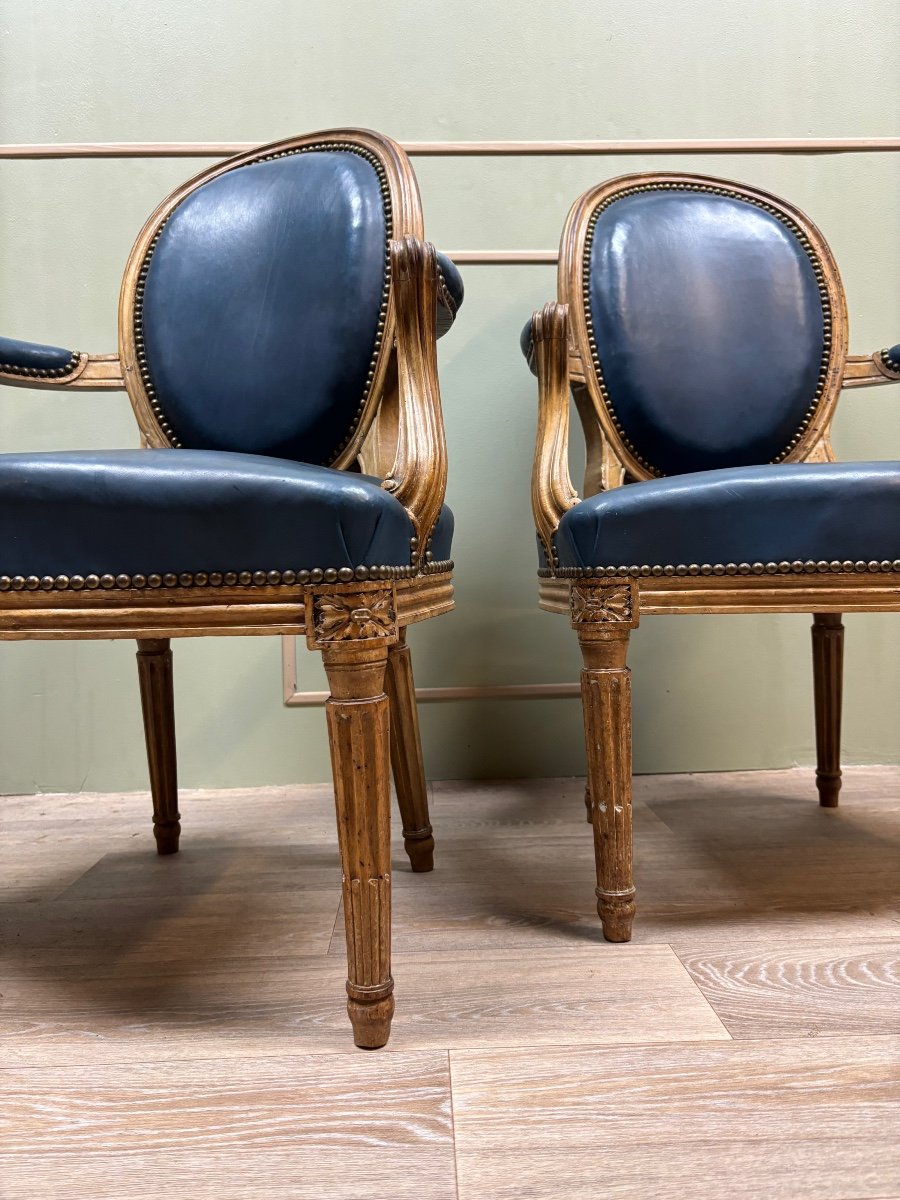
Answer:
x=453 y=1123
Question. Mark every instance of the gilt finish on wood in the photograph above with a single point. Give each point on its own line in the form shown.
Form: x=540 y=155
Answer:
x=770 y=523
x=194 y=567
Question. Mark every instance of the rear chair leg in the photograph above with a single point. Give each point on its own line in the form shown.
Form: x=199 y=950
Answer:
x=406 y=758
x=154 y=659
x=828 y=677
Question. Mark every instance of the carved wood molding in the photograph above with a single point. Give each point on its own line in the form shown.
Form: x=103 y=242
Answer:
x=552 y=493
x=418 y=476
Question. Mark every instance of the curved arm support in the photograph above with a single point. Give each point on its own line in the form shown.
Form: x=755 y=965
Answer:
x=418 y=477
x=552 y=493
x=869 y=370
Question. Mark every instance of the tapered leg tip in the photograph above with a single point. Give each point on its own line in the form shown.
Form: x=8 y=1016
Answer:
x=167 y=838
x=371 y=1022
x=616 y=917
x=829 y=788
x=421 y=853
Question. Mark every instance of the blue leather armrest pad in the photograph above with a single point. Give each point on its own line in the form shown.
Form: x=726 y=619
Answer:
x=892 y=354
x=452 y=293
x=27 y=358
x=527 y=346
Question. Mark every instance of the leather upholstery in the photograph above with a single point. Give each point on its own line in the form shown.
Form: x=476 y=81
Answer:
x=763 y=514
x=33 y=357
x=527 y=346
x=892 y=354
x=157 y=511
x=709 y=328
x=452 y=293
x=261 y=308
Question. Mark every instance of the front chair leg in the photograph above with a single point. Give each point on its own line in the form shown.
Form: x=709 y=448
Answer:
x=406 y=758
x=828 y=676
x=154 y=659
x=358 y=720
x=603 y=616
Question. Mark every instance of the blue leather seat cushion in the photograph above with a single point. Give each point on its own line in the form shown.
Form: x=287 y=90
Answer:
x=823 y=512
x=157 y=511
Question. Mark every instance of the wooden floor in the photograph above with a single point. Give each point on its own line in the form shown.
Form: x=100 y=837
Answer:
x=174 y=1027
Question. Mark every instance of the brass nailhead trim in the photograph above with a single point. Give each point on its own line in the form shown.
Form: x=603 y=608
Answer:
x=888 y=363
x=785 y=220
x=349 y=147
x=62 y=583
x=797 y=567
x=42 y=372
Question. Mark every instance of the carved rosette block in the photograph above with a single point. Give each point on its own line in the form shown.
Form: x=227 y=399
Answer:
x=355 y=616
x=597 y=604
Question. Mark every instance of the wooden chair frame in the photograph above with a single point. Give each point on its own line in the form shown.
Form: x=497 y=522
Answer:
x=606 y=603
x=357 y=620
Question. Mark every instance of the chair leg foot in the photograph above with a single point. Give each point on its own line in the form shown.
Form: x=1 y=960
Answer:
x=616 y=916
x=419 y=846
x=371 y=1020
x=167 y=837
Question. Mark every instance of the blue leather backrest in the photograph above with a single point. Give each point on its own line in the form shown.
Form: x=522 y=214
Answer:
x=708 y=328
x=261 y=313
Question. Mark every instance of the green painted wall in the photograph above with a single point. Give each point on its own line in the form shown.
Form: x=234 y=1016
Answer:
x=710 y=694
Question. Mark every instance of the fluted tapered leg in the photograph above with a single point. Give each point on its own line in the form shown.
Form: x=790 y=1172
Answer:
x=828 y=681
x=154 y=658
x=358 y=730
x=606 y=698
x=406 y=758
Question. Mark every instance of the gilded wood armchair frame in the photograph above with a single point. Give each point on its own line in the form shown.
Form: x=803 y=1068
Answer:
x=606 y=603
x=357 y=619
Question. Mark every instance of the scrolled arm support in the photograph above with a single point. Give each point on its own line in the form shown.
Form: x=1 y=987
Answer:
x=552 y=493
x=418 y=477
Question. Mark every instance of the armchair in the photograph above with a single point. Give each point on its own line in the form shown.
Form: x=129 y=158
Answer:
x=701 y=329
x=277 y=326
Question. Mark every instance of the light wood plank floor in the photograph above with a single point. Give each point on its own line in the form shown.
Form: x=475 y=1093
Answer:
x=175 y=1028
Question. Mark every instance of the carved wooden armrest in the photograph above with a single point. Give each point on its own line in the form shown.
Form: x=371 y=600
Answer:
x=418 y=476
x=32 y=365
x=869 y=370
x=552 y=493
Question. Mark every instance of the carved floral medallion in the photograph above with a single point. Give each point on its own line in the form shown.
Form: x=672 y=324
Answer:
x=609 y=604
x=354 y=616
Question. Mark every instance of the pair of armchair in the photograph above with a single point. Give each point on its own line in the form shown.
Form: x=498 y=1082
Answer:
x=277 y=327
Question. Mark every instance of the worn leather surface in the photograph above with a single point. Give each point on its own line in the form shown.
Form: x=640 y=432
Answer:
x=802 y=511
x=154 y=511
x=261 y=307
x=708 y=325
x=32 y=355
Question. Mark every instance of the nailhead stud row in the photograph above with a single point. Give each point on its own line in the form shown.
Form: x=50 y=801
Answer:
x=143 y=364
x=797 y=567
x=42 y=372
x=795 y=229
x=75 y=583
